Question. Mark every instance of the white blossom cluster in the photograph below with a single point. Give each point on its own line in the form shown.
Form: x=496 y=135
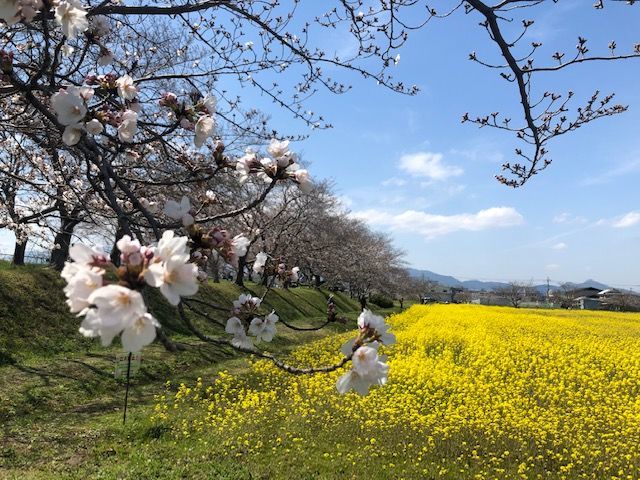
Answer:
x=263 y=328
x=282 y=164
x=198 y=117
x=73 y=110
x=279 y=270
x=292 y=275
x=209 y=240
x=117 y=307
x=70 y=15
x=171 y=270
x=260 y=262
x=71 y=105
x=180 y=211
x=369 y=368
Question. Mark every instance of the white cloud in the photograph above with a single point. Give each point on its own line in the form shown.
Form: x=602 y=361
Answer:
x=480 y=153
x=394 y=182
x=428 y=165
x=551 y=267
x=455 y=189
x=566 y=217
x=344 y=201
x=622 y=169
x=432 y=226
x=559 y=246
x=561 y=217
x=628 y=220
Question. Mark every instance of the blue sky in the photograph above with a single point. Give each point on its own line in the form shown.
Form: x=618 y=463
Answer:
x=408 y=166
x=411 y=169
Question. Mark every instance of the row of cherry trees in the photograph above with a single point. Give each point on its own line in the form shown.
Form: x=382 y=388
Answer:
x=123 y=120
x=117 y=128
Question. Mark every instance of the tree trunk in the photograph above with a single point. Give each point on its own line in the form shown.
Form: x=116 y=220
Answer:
x=18 y=253
x=363 y=302
x=115 y=252
x=240 y=275
x=215 y=270
x=63 y=239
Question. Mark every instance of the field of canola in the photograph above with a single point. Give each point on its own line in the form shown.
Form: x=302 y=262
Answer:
x=474 y=392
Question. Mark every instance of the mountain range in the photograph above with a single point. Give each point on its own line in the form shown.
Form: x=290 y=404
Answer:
x=450 y=281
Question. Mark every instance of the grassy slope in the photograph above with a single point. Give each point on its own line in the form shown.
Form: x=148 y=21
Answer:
x=60 y=405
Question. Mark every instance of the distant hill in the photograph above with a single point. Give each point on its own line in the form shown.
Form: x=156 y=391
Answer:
x=587 y=284
x=450 y=281
x=435 y=277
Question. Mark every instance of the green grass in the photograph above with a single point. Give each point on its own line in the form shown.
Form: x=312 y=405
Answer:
x=61 y=408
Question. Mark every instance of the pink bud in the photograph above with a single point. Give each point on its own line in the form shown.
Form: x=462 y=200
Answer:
x=135 y=259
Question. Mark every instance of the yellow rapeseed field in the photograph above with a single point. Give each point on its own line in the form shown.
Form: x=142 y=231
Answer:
x=473 y=392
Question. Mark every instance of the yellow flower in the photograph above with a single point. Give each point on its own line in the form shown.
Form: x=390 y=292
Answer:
x=479 y=392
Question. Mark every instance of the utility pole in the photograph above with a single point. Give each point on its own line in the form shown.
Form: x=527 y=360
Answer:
x=548 y=290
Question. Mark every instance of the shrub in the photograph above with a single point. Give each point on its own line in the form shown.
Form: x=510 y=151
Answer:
x=381 y=301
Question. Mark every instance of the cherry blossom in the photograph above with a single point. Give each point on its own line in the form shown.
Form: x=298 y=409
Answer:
x=302 y=178
x=371 y=321
x=117 y=304
x=171 y=245
x=140 y=333
x=368 y=369
x=210 y=196
x=72 y=134
x=126 y=88
x=9 y=11
x=264 y=328
x=210 y=102
x=245 y=164
x=136 y=334
x=110 y=309
x=83 y=256
x=69 y=106
x=179 y=211
x=129 y=251
x=94 y=127
x=116 y=309
x=204 y=128
x=279 y=150
x=71 y=17
x=128 y=126
x=175 y=277
x=127 y=245
x=269 y=170
x=247 y=303
x=240 y=245
x=234 y=327
x=80 y=286
x=260 y=262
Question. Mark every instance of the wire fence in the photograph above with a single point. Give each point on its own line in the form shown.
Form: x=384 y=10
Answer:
x=30 y=258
